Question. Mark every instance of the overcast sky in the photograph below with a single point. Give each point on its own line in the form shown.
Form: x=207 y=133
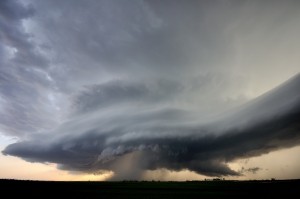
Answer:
x=165 y=89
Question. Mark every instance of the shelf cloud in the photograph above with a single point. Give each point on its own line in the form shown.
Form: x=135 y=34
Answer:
x=166 y=138
x=95 y=86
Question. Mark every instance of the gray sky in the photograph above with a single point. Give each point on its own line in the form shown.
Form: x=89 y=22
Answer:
x=171 y=85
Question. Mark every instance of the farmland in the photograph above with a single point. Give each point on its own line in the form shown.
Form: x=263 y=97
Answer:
x=151 y=189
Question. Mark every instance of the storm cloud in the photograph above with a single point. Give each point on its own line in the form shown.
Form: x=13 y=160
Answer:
x=167 y=138
x=95 y=86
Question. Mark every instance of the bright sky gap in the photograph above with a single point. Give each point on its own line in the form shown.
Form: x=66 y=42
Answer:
x=148 y=89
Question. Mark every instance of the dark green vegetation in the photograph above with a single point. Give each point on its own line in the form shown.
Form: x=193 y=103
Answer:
x=203 y=189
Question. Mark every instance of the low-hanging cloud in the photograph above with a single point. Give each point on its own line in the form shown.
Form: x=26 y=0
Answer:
x=135 y=85
x=91 y=143
x=252 y=170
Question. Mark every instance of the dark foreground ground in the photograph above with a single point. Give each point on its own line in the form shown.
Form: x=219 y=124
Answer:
x=185 y=190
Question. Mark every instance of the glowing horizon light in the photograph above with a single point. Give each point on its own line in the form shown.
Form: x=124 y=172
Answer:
x=163 y=90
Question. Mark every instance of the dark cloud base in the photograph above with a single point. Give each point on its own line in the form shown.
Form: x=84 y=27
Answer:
x=140 y=83
x=206 y=154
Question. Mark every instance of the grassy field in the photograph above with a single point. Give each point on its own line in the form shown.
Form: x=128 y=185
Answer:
x=186 y=190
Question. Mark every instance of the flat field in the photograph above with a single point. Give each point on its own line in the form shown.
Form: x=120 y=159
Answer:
x=134 y=189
